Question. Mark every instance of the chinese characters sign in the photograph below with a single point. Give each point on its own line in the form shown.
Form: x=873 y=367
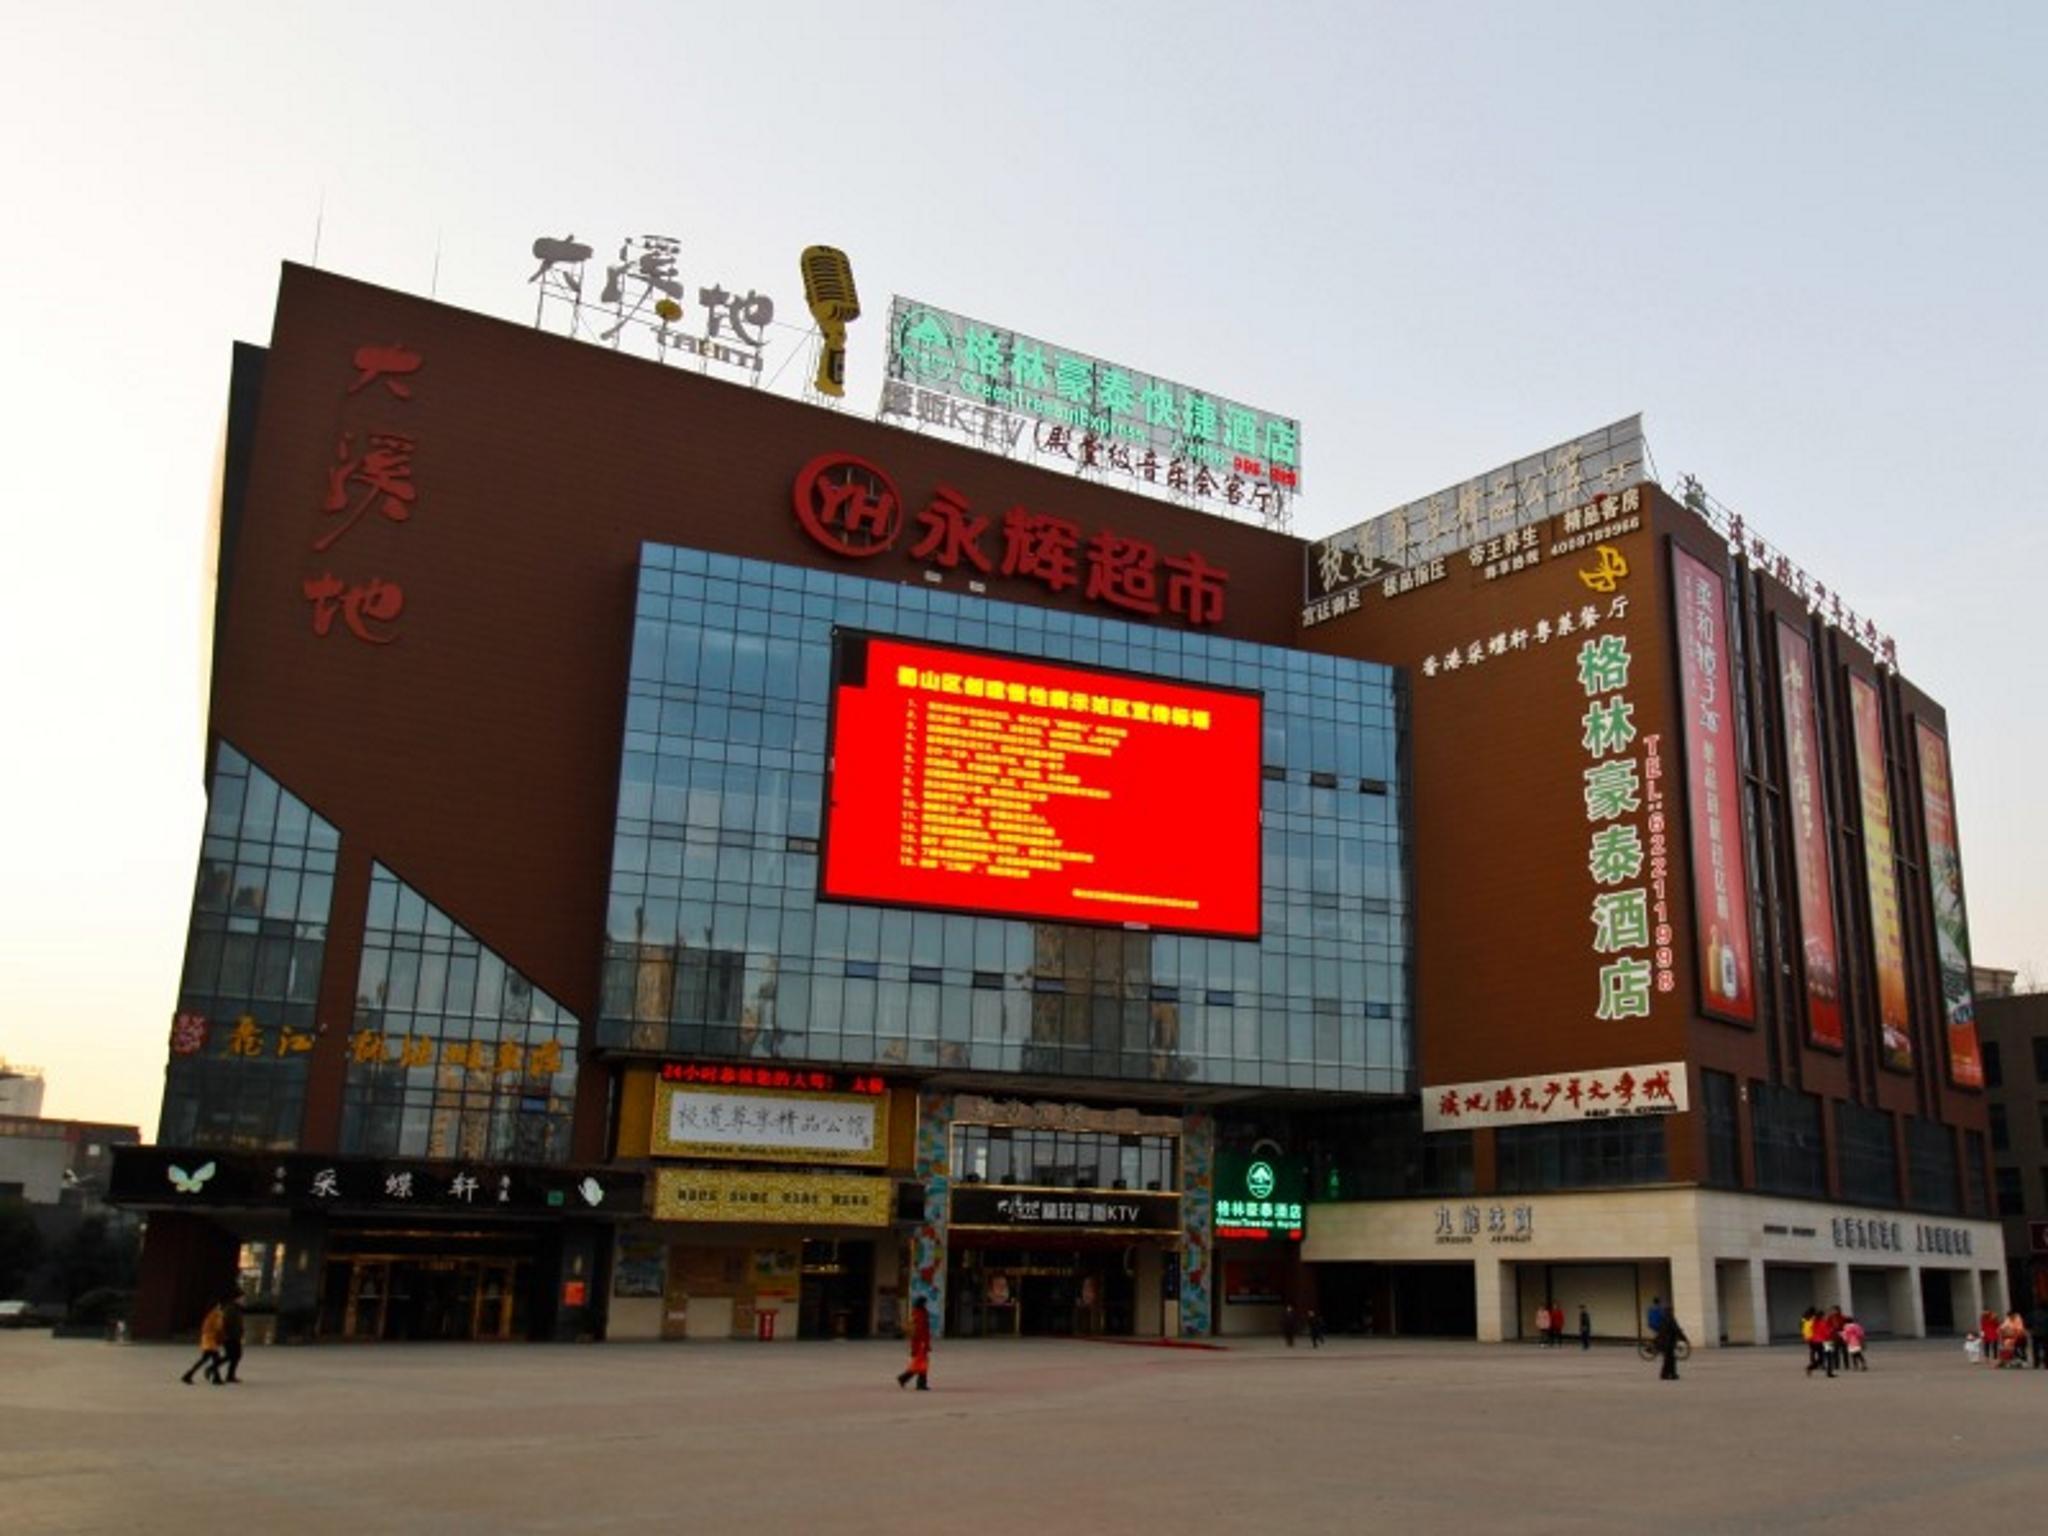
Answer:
x=1951 y=927
x=809 y=1199
x=1499 y=1224
x=1133 y=423
x=1810 y=867
x=645 y=297
x=694 y=1121
x=1624 y=938
x=317 y=1181
x=1487 y=507
x=371 y=476
x=852 y=508
x=729 y=1074
x=1713 y=781
x=1259 y=1198
x=974 y=782
x=990 y=1206
x=1613 y=1093
x=1881 y=875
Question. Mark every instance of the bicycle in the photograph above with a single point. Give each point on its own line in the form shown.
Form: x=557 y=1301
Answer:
x=1647 y=1348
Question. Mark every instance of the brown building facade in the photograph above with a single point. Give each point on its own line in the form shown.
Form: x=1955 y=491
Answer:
x=518 y=1002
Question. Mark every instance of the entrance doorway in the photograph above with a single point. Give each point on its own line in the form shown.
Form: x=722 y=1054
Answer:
x=403 y=1297
x=1038 y=1293
x=838 y=1280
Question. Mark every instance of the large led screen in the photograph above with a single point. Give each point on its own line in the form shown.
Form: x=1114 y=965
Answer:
x=984 y=783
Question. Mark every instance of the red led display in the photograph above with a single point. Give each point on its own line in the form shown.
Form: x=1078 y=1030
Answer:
x=730 y=1075
x=983 y=783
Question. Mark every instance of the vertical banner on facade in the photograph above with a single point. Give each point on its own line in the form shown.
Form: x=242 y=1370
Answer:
x=1951 y=927
x=1810 y=867
x=1881 y=876
x=1720 y=873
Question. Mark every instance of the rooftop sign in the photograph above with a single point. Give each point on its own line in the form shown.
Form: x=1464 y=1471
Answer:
x=1501 y=501
x=1001 y=387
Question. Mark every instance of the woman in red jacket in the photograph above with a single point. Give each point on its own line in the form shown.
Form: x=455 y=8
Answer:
x=920 y=1349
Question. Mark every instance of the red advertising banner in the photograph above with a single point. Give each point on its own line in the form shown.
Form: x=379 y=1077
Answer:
x=986 y=783
x=1823 y=962
x=1881 y=876
x=1951 y=926
x=1720 y=873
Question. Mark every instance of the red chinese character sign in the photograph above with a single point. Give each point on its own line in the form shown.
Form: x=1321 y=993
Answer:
x=1604 y=1093
x=1713 y=780
x=850 y=506
x=1951 y=925
x=371 y=472
x=1819 y=951
x=997 y=784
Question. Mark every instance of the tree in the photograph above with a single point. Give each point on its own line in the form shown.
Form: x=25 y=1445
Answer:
x=93 y=1258
x=21 y=1246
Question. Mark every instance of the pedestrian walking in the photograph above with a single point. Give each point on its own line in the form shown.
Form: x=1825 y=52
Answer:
x=920 y=1348
x=1807 y=1321
x=1585 y=1327
x=1669 y=1337
x=2037 y=1331
x=1543 y=1325
x=1557 y=1325
x=1317 y=1331
x=1290 y=1324
x=1987 y=1325
x=231 y=1338
x=1852 y=1341
x=210 y=1330
x=1823 y=1352
x=1838 y=1349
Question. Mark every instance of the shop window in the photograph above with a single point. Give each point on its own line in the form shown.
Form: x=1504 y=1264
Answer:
x=1931 y=1166
x=1790 y=1156
x=1724 y=1130
x=1976 y=1195
x=1584 y=1154
x=454 y=1054
x=1864 y=1152
x=2012 y=1199
x=2001 y=1137
x=253 y=957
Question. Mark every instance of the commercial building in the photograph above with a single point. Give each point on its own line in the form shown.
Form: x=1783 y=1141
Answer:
x=1692 y=975
x=2015 y=1029
x=685 y=863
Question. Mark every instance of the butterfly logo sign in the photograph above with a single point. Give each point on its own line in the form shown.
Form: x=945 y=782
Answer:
x=189 y=1183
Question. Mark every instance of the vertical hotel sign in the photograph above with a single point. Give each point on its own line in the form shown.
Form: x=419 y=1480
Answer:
x=1713 y=793
x=1951 y=926
x=1881 y=875
x=1822 y=953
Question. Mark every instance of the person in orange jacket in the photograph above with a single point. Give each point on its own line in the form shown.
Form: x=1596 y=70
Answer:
x=212 y=1334
x=920 y=1349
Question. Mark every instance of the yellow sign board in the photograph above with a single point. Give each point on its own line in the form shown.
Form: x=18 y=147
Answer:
x=768 y=1125
x=809 y=1199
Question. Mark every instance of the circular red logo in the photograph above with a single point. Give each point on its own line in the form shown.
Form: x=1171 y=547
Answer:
x=848 y=505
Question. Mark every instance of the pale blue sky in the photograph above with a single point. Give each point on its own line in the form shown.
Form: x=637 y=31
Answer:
x=1806 y=240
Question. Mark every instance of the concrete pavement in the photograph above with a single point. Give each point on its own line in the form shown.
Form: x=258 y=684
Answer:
x=1017 y=1436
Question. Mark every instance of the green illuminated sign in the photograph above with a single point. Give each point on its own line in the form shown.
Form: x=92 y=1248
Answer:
x=1258 y=1197
x=936 y=350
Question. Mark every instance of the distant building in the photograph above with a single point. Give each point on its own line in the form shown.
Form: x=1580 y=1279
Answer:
x=58 y=1162
x=1989 y=981
x=2014 y=1028
x=21 y=1090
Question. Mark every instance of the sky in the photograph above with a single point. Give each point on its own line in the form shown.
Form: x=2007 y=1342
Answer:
x=1807 y=241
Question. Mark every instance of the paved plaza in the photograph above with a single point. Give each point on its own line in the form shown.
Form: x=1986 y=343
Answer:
x=1037 y=1436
